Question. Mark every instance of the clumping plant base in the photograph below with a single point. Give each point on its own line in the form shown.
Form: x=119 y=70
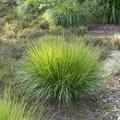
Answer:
x=59 y=71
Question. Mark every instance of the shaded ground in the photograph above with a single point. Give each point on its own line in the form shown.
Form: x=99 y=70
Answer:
x=104 y=30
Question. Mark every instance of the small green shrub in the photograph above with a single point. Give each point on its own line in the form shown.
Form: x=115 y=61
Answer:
x=59 y=71
x=109 y=10
x=69 y=15
x=33 y=6
x=28 y=6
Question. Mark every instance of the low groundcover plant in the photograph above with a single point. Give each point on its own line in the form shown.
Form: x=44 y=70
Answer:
x=60 y=71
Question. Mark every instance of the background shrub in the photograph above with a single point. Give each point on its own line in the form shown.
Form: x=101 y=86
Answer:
x=28 y=6
x=59 y=71
x=90 y=5
x=109 y=10
x=8 y=2
x=69 y=15
x=35 y=6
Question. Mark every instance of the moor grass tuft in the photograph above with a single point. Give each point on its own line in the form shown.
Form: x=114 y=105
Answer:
x=60 y=71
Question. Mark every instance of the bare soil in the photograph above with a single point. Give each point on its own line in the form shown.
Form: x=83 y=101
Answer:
x=104 y=30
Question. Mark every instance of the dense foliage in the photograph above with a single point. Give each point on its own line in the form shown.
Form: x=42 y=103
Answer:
x=36 y=6
x=109 y=10
x=69 y=16
x=59 y=71
x=78 y=13
x=28 y=6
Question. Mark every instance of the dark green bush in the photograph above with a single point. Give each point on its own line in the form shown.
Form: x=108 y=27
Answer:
x=109 y=10
x=59 y=71
x=69 y=15
x=90 y=5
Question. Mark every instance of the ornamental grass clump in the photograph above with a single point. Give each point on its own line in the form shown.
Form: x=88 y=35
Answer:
x=60 y=71
x=69 y=15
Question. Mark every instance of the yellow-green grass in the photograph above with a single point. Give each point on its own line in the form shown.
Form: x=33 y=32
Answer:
x=59 y=71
